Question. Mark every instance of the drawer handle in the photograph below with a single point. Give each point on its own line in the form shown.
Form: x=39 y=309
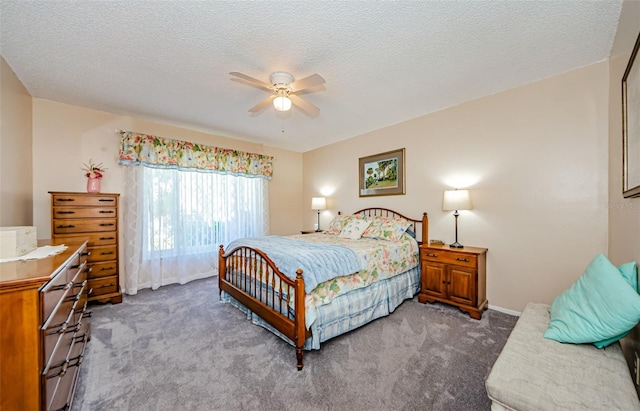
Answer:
x=107 y=285
x=106 y=252
x=86 y=254
x=106 y=268
x=105 y=224
x=90 y=291
x=106 y=211
x=56 y=329
x=78 y=361
x=432 y=255
x=65 y=212
x=446 y=282
x=62 y=372
x=66 y=199
x=107 y=238
x=81 y=310
x=80 y=339
x=62 y=287
x=466 y=260
x=66 y=226
x=106 y=199
x=88 y=270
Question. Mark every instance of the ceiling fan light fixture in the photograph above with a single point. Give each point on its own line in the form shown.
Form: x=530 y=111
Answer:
x=282 y=102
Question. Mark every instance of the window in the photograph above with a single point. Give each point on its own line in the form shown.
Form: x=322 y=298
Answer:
x=175 y=221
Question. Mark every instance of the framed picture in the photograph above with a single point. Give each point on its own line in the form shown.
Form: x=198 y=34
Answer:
x=631 y=126
x=382 y=174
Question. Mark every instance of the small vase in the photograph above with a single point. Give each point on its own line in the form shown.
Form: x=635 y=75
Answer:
x=93 y=185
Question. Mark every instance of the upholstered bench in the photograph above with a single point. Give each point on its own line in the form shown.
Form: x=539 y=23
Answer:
x=534 y=373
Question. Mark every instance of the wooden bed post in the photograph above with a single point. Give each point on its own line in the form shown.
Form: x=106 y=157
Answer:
x=425 y=228
x=221 y=268
x=300 y=323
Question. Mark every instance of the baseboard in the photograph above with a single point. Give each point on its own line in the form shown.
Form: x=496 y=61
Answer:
x=504 y=310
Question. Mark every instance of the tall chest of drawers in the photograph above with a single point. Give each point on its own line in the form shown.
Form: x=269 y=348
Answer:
x=45 y=327
x=94 y=216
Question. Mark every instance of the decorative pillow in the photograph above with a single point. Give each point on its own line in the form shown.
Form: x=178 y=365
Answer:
x=336 y=225
x=630 y=274
x=386 y=228
x=354 y=228
x=599 y=307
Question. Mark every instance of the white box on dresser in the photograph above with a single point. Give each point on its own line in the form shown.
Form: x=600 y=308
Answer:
x=17 y=241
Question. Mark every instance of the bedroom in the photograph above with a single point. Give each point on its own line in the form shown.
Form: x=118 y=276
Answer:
x=546 y=156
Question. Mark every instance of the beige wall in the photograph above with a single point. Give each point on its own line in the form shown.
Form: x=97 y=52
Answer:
x=624 y=214
x=535 y=159
x=15 y=150
x=65 y=137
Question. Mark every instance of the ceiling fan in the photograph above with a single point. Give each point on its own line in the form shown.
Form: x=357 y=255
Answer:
x=284 y=91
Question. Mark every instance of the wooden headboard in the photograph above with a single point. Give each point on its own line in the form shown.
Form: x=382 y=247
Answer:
x=421 y=226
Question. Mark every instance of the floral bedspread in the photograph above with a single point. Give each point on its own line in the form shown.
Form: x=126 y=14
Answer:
x=382 y=259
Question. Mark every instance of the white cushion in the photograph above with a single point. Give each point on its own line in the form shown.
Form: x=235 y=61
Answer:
x=535 y=373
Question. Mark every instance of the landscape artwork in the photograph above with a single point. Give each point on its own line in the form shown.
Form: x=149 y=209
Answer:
x=382 y=174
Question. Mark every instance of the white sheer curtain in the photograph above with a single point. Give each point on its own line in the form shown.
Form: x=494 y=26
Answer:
x=175 y=221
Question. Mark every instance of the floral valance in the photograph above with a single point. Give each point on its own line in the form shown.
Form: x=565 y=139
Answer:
x=136 y=149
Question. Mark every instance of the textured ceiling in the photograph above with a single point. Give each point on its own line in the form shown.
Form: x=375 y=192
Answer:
x=383 y=62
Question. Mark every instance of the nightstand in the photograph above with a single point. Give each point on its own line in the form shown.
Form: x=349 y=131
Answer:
x=455 y=276
x=311 y=231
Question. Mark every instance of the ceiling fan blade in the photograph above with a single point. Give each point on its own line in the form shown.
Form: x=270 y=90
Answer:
x=252 y=81
x=261 y=105
x=307 y=82
x=307 y=107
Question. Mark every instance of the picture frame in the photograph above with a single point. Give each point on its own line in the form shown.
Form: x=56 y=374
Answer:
x=382 y=174
x=631 y=126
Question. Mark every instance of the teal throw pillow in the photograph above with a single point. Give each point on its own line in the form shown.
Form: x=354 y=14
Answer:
x=601 y=307
x=630 y=274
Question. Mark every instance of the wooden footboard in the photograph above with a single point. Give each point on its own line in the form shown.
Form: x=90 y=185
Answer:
x=249 y=276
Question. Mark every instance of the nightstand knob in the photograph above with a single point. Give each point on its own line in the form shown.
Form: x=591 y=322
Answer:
x=432 y=255
x=462 y=259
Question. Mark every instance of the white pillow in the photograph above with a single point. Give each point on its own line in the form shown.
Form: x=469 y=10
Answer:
x=354 y=229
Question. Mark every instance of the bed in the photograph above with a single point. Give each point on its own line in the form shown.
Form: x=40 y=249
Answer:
x=308 y=288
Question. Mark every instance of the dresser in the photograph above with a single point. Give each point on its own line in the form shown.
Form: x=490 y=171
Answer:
x=45 y=327
x=94 y=216
x=455 y=276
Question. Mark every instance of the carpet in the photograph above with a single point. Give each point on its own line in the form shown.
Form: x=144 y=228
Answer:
x=179 y=348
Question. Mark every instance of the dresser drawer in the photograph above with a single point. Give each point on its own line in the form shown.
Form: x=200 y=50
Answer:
x=53 y=292
x=56 y=325
x=100 y=286
x=95 y=239
x=84 y=226
x=79 y=212
x=103 y=253
x=449 y=257
x=96 y=270
x=84 y=200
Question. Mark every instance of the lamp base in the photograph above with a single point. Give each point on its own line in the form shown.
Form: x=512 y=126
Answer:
x=456 y=245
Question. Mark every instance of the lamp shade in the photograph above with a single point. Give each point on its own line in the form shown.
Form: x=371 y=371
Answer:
x=318 y=203
x=456 y=200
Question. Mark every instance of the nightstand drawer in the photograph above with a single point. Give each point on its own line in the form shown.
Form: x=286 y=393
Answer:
x=449 y=257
